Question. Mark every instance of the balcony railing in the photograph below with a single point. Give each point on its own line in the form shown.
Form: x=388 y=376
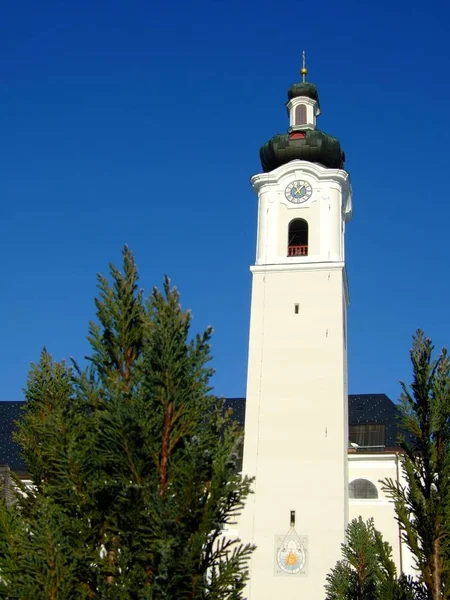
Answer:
x=297 y=250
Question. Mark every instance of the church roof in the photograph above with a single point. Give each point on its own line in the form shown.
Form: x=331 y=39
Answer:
x=9 y=450
x=237 y=406
x=376 y=409
x=305 y=89
x=314 y=146
x=363 y=409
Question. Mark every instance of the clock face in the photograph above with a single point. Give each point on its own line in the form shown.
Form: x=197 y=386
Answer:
x=298 y=192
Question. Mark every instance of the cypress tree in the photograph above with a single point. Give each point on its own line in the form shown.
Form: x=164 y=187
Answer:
x=133 y=460
x=422 y=505
x=367 y=571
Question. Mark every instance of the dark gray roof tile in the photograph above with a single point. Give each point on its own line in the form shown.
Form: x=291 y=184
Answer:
x=9 y=451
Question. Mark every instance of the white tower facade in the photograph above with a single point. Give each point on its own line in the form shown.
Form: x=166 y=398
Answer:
x=296 y=423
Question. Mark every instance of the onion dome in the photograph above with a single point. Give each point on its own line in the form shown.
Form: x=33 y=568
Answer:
x=303 y=140
x=313 y=146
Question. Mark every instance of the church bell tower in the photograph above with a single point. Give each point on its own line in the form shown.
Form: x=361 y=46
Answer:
x=296 y=423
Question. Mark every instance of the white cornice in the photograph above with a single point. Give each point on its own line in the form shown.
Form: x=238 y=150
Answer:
x=375 y=457
x=306 y=266
x=317 y=171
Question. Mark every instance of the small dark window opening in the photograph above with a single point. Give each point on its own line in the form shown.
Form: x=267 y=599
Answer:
x=367 y=435
x=300 y=114
x=298 y=238
x=362 y=489
x=296 y=309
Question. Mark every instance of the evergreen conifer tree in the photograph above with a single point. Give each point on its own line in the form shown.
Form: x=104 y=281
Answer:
x=367 y=571
x=133 y=461
x=422 y=505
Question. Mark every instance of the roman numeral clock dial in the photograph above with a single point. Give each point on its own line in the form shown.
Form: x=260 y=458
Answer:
x=298 y=192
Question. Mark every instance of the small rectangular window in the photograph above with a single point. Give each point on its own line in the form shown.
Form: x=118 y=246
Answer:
x=300 y=114
x=296 y=309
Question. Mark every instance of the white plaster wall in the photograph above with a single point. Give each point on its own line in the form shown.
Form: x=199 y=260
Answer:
x=375 y=468
x=296 y=424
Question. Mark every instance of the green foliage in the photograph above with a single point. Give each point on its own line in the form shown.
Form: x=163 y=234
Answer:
x=367 y=571
x=134 y=464
x=421 y=500
x=422 y=504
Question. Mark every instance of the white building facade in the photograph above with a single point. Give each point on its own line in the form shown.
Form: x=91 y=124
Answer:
x=367 y=499
x=296 y=410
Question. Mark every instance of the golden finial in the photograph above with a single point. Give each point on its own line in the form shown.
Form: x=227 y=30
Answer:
x=303 y=70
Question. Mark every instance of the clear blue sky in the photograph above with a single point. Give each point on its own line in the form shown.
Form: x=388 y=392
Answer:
x=140 y=122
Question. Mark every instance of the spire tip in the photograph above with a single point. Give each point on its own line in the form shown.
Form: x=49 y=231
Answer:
x=303 y=70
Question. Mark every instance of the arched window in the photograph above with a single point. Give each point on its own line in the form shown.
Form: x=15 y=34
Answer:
x=298 y=238
x=300 y=114
x=362 y=489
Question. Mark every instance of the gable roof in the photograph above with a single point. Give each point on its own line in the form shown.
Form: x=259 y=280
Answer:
x=237 y=407
x=362 y=408
x=9 y=450
x=375 y=409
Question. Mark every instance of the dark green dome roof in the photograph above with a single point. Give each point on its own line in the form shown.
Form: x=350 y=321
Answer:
x=303 y=88
x=315 y=146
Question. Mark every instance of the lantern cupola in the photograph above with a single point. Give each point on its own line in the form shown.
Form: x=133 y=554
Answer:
x=303 y=103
